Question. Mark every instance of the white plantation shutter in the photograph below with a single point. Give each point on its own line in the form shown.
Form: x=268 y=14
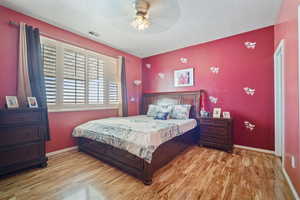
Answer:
x=49 y=60
x=74 y=83
x=112 y=81
x=113 y=93
x=79 y=79
x=96 y=89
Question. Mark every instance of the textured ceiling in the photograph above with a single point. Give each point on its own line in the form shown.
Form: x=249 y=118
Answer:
x=175 y=24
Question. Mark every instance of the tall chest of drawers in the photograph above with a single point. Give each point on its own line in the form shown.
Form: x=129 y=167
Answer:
x=22 y=139
x=216 y=133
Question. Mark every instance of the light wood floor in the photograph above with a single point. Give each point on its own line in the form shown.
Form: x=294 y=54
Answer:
x=198 y=173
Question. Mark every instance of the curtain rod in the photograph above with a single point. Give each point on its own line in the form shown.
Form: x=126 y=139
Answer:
x=16 y=24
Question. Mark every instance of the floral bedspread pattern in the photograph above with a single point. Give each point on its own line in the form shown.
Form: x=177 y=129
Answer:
x=139 y=135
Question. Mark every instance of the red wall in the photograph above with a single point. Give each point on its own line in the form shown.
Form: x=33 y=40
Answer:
x=239 y=67
x=287 y=29
x=61 y=124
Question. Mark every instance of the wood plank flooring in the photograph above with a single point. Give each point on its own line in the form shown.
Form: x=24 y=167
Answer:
x=198 y=173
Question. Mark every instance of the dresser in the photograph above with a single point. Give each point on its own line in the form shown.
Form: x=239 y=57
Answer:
x=22 y=139
x=216 y=133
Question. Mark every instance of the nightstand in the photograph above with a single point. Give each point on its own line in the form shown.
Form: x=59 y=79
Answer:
x=216 y=133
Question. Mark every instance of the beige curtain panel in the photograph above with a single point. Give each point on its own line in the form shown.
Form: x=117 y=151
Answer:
x=23 y=87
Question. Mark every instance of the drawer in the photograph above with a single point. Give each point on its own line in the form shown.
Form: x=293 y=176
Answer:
x=125 y=158
x=218 y=140
x=214 y=122
x=20 y=117
x=214 y=130
x=216 y=145
x=218 y=136
x=21 y=154
x=18 y=135
x=96 y=147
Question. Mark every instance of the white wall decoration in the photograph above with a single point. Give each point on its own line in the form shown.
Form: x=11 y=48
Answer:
x=249 y=126
x=148 y=66
x=183 y=60
x=213 y=99
x=161 y=75
x=249 y=91
x=215 y=70
x=250 y=45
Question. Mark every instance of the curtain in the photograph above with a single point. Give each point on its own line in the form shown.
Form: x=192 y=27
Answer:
x=124 y=99
x=23 y=85
x=36 y=70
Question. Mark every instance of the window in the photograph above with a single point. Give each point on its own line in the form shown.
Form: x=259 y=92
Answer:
x=79 y=79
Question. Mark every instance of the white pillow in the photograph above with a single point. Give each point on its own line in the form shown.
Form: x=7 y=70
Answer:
x=181 y=111
x=152 y=110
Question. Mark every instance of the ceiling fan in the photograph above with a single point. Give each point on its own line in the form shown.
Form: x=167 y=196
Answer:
x=146 y=16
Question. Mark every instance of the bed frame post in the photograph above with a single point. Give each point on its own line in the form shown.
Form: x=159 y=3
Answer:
x=147 y=174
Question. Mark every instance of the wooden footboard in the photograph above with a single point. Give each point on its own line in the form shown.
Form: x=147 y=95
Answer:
x=134 y=165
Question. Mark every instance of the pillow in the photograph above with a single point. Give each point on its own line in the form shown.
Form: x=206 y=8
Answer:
x=166 y=108
x=181 y=111
x=161 y=115
x=152 y=110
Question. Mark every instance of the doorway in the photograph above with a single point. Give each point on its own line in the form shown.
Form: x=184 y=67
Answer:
x=279 y=99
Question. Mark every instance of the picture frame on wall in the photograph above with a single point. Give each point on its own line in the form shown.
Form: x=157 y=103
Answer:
x=12 y=102
x=217 y=113
x=32 y=102
x=184 y=77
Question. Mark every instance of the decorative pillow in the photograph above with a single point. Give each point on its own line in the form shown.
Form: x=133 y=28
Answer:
x=181 y=111
x=152 y=110
x=161 y=115
x=166 y=108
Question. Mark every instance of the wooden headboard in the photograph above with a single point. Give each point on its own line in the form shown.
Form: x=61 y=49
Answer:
x=192 y=98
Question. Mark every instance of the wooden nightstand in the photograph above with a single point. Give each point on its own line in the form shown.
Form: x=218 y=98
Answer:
x=216 y=133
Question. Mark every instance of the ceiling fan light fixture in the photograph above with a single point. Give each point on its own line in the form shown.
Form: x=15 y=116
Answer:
x=140 y=23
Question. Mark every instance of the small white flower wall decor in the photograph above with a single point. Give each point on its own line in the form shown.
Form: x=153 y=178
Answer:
x=249 y=91
x=249 y=126
x=215 y=70
x=213 y=99
x=250 y=45
x=161 y=75
x=183 y=60
x=148 y=66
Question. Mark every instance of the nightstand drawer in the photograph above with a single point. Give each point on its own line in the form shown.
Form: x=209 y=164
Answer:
x=213 y=122
x=226 y=147
x=214 y=130
x=210 y=135
x=211 y=138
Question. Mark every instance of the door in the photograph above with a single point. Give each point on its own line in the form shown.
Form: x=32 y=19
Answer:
x=279 y=99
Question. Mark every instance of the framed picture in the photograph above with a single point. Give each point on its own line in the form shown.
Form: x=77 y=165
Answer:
x=12 y=102
x=32 y=103
x=184 y=77
x=226 y=115
x=217 y=113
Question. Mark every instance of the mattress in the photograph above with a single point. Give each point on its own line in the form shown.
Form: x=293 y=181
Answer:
x=139 y=135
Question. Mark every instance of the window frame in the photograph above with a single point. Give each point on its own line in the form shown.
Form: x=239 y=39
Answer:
x=59 y=106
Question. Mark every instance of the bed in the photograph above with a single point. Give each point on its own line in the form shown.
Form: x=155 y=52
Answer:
x=140 y=145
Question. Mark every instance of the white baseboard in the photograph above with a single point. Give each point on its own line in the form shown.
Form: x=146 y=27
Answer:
x=290 y=184
x=61 y=151
x=254 y=149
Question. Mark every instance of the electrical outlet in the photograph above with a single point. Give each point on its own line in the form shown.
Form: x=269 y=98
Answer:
x=293 y=162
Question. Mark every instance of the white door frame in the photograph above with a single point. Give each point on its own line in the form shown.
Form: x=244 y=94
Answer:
x=279 y=135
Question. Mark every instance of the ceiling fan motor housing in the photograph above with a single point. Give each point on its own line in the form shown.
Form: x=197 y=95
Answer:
x=141 y=7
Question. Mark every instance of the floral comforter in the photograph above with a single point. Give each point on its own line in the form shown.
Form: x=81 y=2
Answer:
x=140 y=135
